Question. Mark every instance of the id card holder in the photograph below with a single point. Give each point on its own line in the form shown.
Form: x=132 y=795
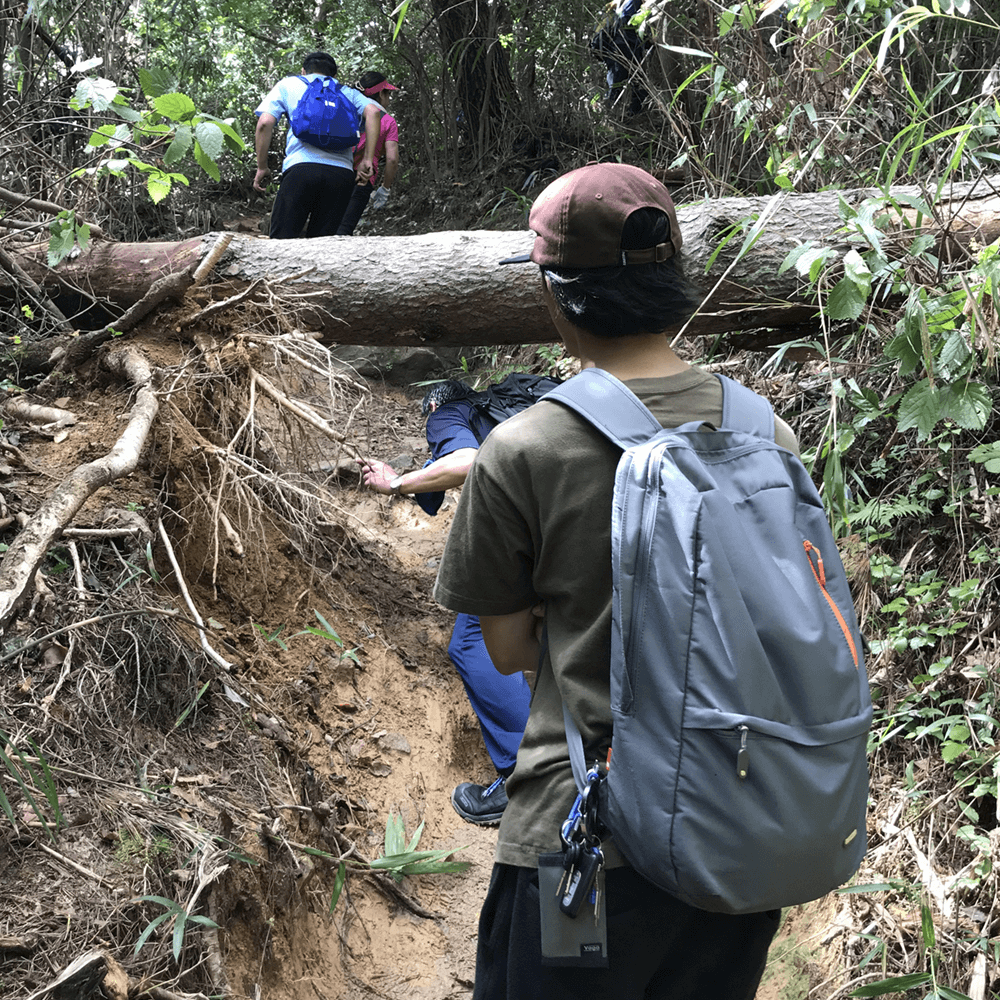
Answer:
x=570 y=941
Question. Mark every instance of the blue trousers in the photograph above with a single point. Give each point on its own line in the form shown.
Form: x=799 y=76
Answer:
x=501 y=702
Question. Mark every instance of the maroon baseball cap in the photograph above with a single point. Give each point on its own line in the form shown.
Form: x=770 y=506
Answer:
x=578 y=219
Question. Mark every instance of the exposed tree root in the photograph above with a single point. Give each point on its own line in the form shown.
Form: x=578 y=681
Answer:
x=20 y=563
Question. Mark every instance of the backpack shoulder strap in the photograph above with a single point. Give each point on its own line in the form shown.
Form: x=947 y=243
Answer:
x=745 y=410
x=609 y=405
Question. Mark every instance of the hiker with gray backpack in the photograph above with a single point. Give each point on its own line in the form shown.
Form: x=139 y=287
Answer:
x=318 y=172
x=648 y=539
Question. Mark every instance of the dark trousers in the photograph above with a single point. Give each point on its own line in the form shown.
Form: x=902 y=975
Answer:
x=318 y=192
x=658 y=947
x=355 y=209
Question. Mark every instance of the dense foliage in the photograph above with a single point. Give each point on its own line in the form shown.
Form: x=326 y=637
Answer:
x=133 y=116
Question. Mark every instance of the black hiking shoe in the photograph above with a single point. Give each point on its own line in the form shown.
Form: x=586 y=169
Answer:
x=480 y=804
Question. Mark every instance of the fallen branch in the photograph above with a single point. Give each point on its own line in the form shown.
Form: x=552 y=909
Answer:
x=20 y=563
x=37 y=205
x=42 y=300
x=76 y=867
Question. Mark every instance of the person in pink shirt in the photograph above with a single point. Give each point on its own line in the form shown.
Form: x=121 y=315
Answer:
x=375 y=86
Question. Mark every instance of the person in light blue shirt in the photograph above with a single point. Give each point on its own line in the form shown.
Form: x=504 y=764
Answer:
x=316 y=183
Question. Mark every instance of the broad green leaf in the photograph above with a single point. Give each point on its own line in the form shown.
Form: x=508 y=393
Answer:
x=155 y=82
x=919 y=408
x=177 y=107
x=809 y=257
x=988 y=455
x=60 y=243
x=967 y=403
x=726 y=21
x=102 y=136
x=179 y=146
x=954 y=354
x=792 y=257
x=857 y=271
x=206 y=162
x=122 y=109
x=846 y=300
x=209 y=137
x=94 y=92
x=952 y=751
x=158 y=186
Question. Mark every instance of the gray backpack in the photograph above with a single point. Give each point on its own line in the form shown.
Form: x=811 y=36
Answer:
x=738 y=778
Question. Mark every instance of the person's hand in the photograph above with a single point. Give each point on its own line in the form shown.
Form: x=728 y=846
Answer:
x=377 y=475
x=260 y=178
x=366 y=170
x=379 y=198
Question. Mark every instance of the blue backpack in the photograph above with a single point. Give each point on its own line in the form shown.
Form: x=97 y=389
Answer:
x=738 y=779
x=325 y=116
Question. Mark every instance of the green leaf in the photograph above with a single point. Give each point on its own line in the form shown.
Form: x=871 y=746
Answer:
x=899 y=984
x=179 y=146
x=967 y=403
x=988 y=455
x=94 y=92
x=158 y=186
x=394 y=835
x=155 y=82
x=150 y=927
x=919 y=408
x=436 y=867
x=857 y=271
x=846 y=300
x=209 y=137
x=952 y=751
x=927 y=925
x=415 y=839
x=101 y=136
x=178 y=937
x=177 y=107
x=338 y=885
x=61 y=242
x=206 y=162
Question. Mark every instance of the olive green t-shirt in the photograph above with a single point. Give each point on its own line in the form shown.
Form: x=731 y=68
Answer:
x=534 y=524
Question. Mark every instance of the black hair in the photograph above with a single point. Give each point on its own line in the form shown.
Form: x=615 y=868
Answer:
x=319 y=62
x=611 y=302
x=370 y=78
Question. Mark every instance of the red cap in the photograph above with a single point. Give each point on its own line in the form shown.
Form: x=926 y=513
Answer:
x=578 y=219
x=376 y=88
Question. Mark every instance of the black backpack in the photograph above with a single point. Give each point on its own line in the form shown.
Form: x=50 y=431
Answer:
x=513 y=394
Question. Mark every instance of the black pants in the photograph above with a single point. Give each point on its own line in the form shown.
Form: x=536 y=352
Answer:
x=658 y=947
x=318 y=192
x=355 y=209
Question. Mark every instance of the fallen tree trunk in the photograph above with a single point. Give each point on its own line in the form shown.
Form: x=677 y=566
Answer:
x=446 y=288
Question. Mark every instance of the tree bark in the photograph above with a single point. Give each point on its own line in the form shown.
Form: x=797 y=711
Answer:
x=446 y=288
